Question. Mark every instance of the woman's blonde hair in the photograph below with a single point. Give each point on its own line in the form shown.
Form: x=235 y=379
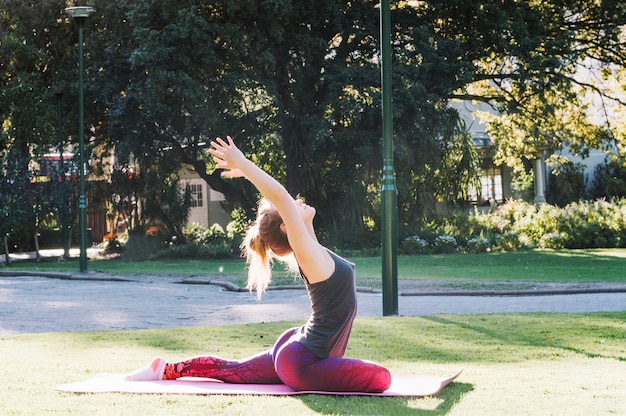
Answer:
x=264 y=242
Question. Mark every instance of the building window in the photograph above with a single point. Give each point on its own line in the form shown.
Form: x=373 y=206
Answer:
x=490 y=188
x=196 y=194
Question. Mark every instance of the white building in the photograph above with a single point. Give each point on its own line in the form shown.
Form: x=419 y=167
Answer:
x=206 y=208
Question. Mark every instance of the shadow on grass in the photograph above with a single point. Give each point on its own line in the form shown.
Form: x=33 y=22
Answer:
x=597 y=335
x=441 y=404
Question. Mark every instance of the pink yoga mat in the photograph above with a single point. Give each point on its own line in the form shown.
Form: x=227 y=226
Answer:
x=401 y=385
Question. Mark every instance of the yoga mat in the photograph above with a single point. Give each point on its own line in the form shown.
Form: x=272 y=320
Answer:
x=401 y=385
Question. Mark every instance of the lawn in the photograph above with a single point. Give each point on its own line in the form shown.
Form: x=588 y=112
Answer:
x=597 y=265
x=515 y=364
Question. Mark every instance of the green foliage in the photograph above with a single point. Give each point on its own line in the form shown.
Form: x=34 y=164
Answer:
x=444 y=244
x=597 y=224
x=413 y=245
x=239 y=224
x=609 y=180
x=553 y=240
x=165 y=201
x=114 y=244
x=202 y=242
x=518 y=224
x=16 y=210
x=298 y=86
x=566 y=183
x=478 y=245
x=522 y=184
x=141 y=246
x=206 y=235
x=198 y=242
x=460 y=165
x=194 y=251
x=508 y=241
x=124 y=190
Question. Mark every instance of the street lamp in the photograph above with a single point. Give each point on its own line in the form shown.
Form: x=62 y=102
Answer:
x=80 y=13
x=389 y=211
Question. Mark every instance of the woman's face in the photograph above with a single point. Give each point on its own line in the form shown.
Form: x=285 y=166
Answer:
x=306 y=212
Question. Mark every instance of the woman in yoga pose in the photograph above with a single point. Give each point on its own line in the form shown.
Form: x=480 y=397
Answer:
x=305 y=358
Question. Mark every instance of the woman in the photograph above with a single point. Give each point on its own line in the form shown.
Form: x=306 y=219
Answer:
x=306 y=358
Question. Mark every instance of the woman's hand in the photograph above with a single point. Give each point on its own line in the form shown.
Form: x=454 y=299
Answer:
x=228 y=157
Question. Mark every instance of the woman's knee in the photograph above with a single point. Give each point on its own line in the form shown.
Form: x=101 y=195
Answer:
x=382 y=380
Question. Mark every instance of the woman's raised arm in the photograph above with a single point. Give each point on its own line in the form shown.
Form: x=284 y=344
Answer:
x=312 y=258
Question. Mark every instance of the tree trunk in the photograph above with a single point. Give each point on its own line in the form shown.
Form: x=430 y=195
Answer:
x=66 y=236
x=6 y=250
x=36 y=238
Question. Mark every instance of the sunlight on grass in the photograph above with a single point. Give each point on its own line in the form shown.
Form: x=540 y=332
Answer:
x=606 y=253
x=592 y=265
x=536 y=364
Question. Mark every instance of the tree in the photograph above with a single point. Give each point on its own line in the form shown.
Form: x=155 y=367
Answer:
x=297 y=84
x=532 y=73
x=16 y=205
x=166 y=201
x=302 y=80
x=34 y=55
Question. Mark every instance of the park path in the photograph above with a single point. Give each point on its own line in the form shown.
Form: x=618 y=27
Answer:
x=37 y=303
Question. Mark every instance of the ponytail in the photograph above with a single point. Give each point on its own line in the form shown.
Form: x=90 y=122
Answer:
x=264 y=242
x=256 y=252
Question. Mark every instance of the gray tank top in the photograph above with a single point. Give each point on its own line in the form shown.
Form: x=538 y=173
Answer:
x=334 y=306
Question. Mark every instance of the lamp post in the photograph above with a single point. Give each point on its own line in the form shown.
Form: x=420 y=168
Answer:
x=389 y=211
x=80 y=13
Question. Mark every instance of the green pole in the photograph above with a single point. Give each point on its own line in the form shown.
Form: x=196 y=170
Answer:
x=389 y=209
x=82 y=201
x=80 y=13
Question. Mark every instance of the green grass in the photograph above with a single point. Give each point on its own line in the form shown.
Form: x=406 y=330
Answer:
x=530 y=265
x=598 y=265
x=187 y=266
x=515 y=364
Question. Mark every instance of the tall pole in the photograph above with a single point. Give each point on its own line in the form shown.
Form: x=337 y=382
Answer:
x=388 y=193
x=80 y=13
x=82 y=201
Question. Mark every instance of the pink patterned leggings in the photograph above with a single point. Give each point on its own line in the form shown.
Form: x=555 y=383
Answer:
x=288 y=362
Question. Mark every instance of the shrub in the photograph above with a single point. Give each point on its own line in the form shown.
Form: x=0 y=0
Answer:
x=507 y=216
x=478 y=245
x=193 y=251
x=553 y=240
x=444 y=244
x=517 y=225
x=141 y=246
x=590 y=225
x=198 y=234
x=112 y=245
x=360 y=252
x=413 y=245
x=508 y=241
x=536 y=224
x=566 y=183
x=202 y=242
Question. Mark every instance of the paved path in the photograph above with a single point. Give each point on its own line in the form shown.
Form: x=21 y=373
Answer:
x=35 y=304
